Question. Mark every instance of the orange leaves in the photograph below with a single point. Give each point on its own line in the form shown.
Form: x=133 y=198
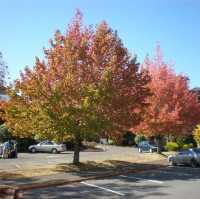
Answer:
x=87 y=75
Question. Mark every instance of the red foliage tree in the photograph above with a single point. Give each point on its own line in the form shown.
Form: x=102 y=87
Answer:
x=174 y=109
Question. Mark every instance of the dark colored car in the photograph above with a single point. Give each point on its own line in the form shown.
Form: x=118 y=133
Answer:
x=145 y=146
x=186 y=157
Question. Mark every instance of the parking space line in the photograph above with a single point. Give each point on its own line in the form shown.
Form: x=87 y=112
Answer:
x=103 y=188
x=18 y=166
x=132 y=177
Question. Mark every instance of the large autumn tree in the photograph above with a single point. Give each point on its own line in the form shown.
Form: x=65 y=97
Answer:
x=174 y=109
x=87 y=84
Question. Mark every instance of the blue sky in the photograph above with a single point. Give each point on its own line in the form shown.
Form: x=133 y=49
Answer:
x=27 y=25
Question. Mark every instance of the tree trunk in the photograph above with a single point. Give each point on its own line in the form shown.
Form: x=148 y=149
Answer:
x=158 y=143
x=76 y=150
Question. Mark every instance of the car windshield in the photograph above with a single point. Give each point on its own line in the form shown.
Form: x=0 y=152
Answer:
x=197 y=150
x=144 y=143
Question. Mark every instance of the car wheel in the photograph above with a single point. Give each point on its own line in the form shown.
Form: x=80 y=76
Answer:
x=54 y=151
x=140 y=150
x=193 y=163
x=33 y=150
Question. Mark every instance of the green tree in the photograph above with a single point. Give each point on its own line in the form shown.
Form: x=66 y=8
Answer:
x=87 y=84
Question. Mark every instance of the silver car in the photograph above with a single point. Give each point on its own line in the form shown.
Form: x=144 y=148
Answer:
x=186 y=157
x=47 y=146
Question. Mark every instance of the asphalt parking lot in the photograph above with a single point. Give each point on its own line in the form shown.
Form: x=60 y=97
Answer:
x=28 y=160
x=165 y=183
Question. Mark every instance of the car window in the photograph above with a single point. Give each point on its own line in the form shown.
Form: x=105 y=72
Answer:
x=42 y=143
x=144 y=143
x=197 y=150
x=49 y=143
x=185 y=152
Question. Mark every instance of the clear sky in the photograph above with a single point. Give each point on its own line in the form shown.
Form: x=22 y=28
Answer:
x=27 y=25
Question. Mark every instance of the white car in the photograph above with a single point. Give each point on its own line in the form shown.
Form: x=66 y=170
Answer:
x=47 y=146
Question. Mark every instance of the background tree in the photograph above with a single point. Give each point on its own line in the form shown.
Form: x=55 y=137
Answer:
x=87 y=84
x=4 y=133
x=3 y=72
x=3 y=78
x=174 y=109
x=196 y=134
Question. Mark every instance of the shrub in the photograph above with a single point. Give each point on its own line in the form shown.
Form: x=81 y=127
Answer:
x=5 y=135
x=111 y=142
x=187 y=146
x=24 y=143
x=139 y=138
x=186 y=140
x=171 y=146
x=128 y=139
x=191 y=145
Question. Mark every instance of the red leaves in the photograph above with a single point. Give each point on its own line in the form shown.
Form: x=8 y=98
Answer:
x=173 y=107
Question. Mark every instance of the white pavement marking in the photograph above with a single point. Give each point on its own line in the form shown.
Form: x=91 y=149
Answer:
x=154 y=181
x=103 y=188
x=52 y=156
x=19 y=167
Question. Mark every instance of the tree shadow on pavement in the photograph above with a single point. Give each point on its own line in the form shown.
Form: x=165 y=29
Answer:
x=79 y=191
x=91 y=168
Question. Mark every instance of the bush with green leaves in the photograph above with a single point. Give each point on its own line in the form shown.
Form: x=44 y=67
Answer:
x=187 y=146
x=172 y=146
x=186 y=140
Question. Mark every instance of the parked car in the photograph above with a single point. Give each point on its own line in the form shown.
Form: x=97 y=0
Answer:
x=8 y=149
x=47 y=146
x=186 y=157
x=1 y=149
x=145 y=146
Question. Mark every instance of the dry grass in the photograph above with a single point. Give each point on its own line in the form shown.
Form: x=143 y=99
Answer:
x=115 y=162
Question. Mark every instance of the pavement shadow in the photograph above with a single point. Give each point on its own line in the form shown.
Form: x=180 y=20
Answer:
x=7 y=178
x=81 y=191
x=92 y=168
x=107 y=170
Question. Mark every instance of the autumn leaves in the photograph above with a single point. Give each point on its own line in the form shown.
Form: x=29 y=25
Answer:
x=88 y=84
